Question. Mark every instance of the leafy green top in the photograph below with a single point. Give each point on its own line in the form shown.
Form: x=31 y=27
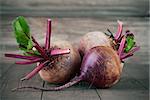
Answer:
x=23 y=35
x=125 y=44
x=130 y=42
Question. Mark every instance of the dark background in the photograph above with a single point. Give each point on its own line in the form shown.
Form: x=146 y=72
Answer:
x=71 y=20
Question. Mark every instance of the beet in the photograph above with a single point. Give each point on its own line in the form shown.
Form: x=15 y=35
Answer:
x=56 y=64
x=63 y=67
x=102 y=67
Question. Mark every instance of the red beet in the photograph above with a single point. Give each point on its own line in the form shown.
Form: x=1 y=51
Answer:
x=56 y=64
x=62 y=67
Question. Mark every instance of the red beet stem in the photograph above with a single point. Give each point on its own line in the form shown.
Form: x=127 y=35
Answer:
x=29 y=62
x=35 y=71
x=21 y=56
x=40 y=49
x=119 y=31
x=33 y=54
x=130 y=52
x=121 y=47
x=124 y=57
x=60 y=52
x=76 y=80
x=48 y=35
x=127 y=32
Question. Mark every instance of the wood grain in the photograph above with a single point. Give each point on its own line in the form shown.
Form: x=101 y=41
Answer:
x=80 y=91
x=11 y=79
x=78 y=8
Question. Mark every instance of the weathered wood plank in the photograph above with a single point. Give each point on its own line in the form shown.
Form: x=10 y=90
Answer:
x=139 y=74
x=73 y=13
x=71 y=8
x=11 y=80
x=80 y=91
x=124 y=94
x=49 y=3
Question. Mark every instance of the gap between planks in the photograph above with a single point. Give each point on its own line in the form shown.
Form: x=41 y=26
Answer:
x=98 y=94
x=41 y=98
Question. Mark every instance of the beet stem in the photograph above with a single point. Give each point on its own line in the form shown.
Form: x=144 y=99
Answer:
x=124 y=57
x=121 y=47
x=48 y=35
x=40 y=49
x=119 y=31
x=35 y=71
x=111 y=34
x=76 y=80
x=21 y=56
x=127 y=32
x=60 y=52
x=33 y=54
x=29 y=62
x=130 y=52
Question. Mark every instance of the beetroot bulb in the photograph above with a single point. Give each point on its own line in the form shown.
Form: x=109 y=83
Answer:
x=102 y=62
x=63 y=67
x=55 y=63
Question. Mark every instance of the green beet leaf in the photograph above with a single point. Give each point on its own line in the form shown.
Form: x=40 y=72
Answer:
x=22 y=32
x=130 y=43
x=23 y=36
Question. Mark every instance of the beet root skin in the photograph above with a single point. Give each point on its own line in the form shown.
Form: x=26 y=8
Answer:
x=93 y=39
x=64 y=66
x=102 y=67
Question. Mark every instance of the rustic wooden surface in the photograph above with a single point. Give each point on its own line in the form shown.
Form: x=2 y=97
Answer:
x=76 y=8
x=71 y=20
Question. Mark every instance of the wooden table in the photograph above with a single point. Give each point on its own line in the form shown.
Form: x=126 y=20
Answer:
x=71 y=20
